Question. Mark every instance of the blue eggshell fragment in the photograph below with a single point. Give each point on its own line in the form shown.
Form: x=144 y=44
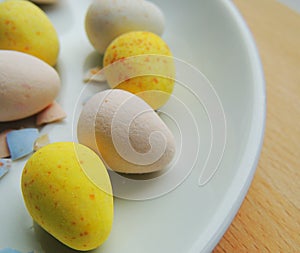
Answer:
x=3 y=171
x=5 y=164
x=21 y=142
x=8 y=250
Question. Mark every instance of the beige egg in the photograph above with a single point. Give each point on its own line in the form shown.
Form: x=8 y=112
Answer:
x=105 y=20
x=126 y=132
x=27 y=85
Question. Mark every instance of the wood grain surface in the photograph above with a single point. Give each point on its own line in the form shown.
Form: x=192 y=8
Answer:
x=269 y=218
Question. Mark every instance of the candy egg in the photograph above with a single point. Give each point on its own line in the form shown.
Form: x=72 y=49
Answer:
x=63 y=198
x=106 y=19
x=142 y=63
x=25 y=27
x=126 y=132
x=27 y=85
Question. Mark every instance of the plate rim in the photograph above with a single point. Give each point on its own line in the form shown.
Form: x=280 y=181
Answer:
x=258 y=128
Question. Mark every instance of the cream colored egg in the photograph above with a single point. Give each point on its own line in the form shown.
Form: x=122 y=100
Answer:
x=126 y=132
x=27 y=85
x=106 y=19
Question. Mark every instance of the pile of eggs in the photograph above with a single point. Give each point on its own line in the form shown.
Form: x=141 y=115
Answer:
x=29 y=48
x=117 y=128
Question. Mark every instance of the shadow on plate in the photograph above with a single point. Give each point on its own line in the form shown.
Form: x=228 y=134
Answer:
x=60 y=15
x=17 y=124
x=94 y=59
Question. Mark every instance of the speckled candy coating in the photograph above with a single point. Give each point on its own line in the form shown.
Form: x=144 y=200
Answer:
x=61 y=198
x=155 y=56
x=25 y=27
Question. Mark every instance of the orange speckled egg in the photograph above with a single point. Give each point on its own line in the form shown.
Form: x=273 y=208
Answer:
x=26 y=28
x=67 y=191
x=142 y=63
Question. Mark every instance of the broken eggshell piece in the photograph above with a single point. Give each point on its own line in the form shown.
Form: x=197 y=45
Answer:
x=4 y=151
x=21 y=142
x=52 y=113
x=41 y=141
x=126 y=132
x=5 y=164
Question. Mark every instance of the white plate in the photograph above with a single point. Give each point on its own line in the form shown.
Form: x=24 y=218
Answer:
x=213 y=38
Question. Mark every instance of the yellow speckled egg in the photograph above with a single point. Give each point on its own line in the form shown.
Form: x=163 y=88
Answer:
x=26 y=28
x=142 y=63
x=67 y=191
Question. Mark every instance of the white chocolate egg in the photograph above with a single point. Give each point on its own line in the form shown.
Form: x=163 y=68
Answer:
x=27 y=85
x=126 y=132
x=105 y=20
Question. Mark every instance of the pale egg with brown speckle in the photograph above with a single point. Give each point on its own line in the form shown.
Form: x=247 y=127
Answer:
x=27 y=85
x=105 y=20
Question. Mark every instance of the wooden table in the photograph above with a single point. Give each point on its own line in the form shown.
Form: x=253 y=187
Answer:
x=269 y=218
